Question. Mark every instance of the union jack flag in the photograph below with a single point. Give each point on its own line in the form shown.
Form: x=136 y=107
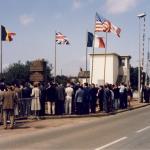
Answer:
x=61 y=39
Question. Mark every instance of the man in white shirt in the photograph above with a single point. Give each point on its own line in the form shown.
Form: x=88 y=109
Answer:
x=68 y=99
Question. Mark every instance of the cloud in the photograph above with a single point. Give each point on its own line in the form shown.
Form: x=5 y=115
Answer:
x=76 y=4
x=81 y=3
x=120 y=6
x=58 y=16
x=90 y=1
x=26 y=19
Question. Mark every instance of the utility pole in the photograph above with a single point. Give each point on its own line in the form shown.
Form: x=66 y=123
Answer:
x=140 y=16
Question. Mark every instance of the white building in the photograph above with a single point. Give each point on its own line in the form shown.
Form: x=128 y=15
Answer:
x=116 y=70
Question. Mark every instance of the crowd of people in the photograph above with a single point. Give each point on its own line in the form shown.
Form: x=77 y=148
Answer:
x=56 y=99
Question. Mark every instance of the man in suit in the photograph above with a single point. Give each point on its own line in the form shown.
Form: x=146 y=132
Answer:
x=9 y=100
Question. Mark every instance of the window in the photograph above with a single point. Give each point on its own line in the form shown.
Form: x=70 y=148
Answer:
x=123 y=62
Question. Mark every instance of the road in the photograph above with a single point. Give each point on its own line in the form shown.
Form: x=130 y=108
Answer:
x=125 y=131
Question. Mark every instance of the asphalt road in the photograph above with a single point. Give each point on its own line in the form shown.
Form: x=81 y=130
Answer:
x=125 y=131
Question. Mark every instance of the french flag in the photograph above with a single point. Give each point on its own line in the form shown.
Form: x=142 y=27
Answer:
x=99 y=42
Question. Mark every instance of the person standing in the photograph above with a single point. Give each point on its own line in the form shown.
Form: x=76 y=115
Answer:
x=116 y=97
x=18 y=95
x=86 y=100
x=79 y=97
x=101 y=97
x=107 y=98
x=146 y=94
x=35 y=103
x=42 y=99
x=121 y=95
x=68 y=100
x=26 y=99
x=2 y=88
x=93 y=100
x=51 y=95
x=60 y=99
x=9 y=101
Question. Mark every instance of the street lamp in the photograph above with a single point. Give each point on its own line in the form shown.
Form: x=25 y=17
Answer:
x=142 y=15
x=147 y=66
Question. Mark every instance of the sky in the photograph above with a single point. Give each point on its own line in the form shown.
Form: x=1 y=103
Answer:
x=36 y=21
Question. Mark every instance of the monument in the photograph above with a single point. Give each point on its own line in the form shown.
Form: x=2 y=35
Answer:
x=38 y=71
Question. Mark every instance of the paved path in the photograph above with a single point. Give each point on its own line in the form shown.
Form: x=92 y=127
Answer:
x=62 y=120
x=125 y=131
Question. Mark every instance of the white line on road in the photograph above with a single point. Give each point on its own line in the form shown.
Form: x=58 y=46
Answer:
x=109 y=144
x=143 y=129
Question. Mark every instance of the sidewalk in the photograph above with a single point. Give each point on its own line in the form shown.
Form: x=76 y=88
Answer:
x=31 y=125
x=133 y=105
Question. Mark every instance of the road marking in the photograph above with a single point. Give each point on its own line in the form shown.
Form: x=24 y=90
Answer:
x=109 y=144
x=143 y=129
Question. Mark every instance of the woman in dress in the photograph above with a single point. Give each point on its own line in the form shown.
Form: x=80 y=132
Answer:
x=35 y=103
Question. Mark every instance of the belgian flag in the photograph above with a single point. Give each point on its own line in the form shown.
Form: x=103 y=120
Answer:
x=5 y=35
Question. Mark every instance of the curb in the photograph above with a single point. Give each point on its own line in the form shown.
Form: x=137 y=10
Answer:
x=93 y=115
x=86 y=115
x=132 y=108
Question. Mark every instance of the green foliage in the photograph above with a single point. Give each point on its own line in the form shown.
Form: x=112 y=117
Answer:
x=134 y=77
x=19 y=72
x=62 y=79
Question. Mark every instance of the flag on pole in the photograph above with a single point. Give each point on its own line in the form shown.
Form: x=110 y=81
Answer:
x=115 y=30
x=61 y=39
x=90 y=39
x=98 y=42
x=104 y=25
x=5 y=35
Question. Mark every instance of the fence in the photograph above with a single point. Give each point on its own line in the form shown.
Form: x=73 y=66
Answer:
x=23 y=108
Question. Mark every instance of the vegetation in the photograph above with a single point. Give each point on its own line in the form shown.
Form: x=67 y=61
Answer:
x=134 y=78
x=20 y=72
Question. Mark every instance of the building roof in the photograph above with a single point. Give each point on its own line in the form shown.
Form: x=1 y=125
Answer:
x=109 y=53
x=126 y=56
x=103 y=53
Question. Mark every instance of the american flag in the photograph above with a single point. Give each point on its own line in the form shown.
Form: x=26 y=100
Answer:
x=61 y=39
x=102 y=24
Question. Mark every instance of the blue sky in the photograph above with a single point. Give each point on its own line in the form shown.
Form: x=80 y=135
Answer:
x=35 y=23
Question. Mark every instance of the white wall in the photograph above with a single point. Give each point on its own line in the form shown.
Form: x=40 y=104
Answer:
x=98 y=69
x=115 y=68
x=112 y=68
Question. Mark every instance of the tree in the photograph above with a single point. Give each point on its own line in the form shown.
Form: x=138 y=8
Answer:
x=19 y=72
x=62 y=79
x=134 y=77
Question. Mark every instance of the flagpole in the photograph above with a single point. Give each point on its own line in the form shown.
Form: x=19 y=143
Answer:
x=1 y=57
x=105 y=59
x=55 y=61
x=86 y=54
x=93 y=53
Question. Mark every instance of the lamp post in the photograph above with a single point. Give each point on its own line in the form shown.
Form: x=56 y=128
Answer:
x=142 y=15
x=147 y=66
